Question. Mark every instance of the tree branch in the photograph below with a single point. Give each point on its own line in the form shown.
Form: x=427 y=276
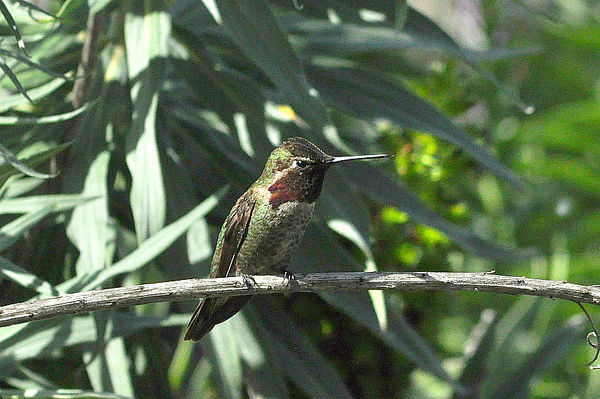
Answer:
x=83 y=302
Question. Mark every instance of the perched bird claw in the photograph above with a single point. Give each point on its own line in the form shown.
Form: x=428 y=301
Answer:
x=249 y=281
x=289 y=276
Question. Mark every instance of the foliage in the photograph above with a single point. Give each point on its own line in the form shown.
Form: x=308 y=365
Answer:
x=189 y=97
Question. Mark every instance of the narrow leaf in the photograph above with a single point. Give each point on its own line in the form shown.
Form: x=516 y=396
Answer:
x=42 y=339
x=58 y=203
x=477 y=350
x=13 y=100
x=347 y=230
x=261 y=376
x=374 y=96
x=33 y=64
x=155 y=245
x=294 y=354
x=318 y=253
x=392 y=192
x=255 y=30
x=44 y=120
x=225 y=349
x=147 y=31
x=12 y=231
x=58 y=394
x=25 y=279
x=13 y=78
x=13 y=25
x=518 y=384
x=17 y=164
x=7 y=169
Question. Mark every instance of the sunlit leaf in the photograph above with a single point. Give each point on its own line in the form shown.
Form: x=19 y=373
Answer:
x=58 y=394
x=371 y=96
x=477 y=350
x=8 y=169
x=24 y=278
x=147 y=30
x=12 y=159
x=43 y=120
x=254 y=29
x=10 y=101
x=392 y=192
x=155 y=245
x=12 y=231
x=57 y=203
x=227 y=354
x=13 y=25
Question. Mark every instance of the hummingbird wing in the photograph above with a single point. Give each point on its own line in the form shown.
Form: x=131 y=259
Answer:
x=236 y=229
x=212 y=311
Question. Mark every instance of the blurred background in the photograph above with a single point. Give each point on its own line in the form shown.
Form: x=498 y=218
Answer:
x=123 y=122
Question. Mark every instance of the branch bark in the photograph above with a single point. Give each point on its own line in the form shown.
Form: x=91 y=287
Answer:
x=83 y=302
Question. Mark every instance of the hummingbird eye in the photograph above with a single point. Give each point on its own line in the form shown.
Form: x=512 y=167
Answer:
x=302 y=164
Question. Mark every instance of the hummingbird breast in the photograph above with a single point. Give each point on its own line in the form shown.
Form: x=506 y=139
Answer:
x=274 y=234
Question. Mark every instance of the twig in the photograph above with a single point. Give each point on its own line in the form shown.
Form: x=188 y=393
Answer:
x=81 y=88
x=594 y=334
x=89 y=57
x=83 y=302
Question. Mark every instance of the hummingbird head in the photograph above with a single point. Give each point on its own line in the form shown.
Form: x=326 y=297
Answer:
x=295 y=170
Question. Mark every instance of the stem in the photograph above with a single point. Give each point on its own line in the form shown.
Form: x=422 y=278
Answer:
x=83 y=302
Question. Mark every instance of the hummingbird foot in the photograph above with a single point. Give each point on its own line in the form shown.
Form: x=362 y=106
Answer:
x=289 y=276
x=249 y=281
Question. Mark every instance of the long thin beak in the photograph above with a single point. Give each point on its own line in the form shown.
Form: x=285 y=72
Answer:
x=357 y=158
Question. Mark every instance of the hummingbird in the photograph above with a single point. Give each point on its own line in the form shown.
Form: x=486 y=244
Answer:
x=265 y=226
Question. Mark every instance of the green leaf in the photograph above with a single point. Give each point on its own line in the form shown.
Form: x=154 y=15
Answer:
x=293 y=352
x=509 y=331
x=517 y=385
x=254 y=29
x=58 y=394
x=42 y=339
x=321 y=37
x=91 y=229
x=57 y=203
x=147 y=32
x=392 y=192
x=97 y=5
x=13 y=100
x=44 y=120
x=26 y=61
x=225 y=349
x=7 y=169
x=477 y=350
x=347 y=230
x=11 y=158
x=319 y=253
x=108 y=364
x=13 y=25
x=12 y=231
x=374 y=97
x=200 y=381
x=153 y=246
x=24 y=278
x=13 y=78
x=32 y=6
x=261 y=376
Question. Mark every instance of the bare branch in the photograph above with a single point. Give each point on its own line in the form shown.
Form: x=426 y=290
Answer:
x=83 y=302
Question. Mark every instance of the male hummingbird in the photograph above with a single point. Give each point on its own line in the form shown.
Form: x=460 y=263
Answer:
x=265 y=227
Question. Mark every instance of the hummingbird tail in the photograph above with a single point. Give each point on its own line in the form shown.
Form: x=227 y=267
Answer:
x=212 y=311
x=198 y=325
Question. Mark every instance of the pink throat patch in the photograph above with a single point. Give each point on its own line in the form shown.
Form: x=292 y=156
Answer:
x=279 y=194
